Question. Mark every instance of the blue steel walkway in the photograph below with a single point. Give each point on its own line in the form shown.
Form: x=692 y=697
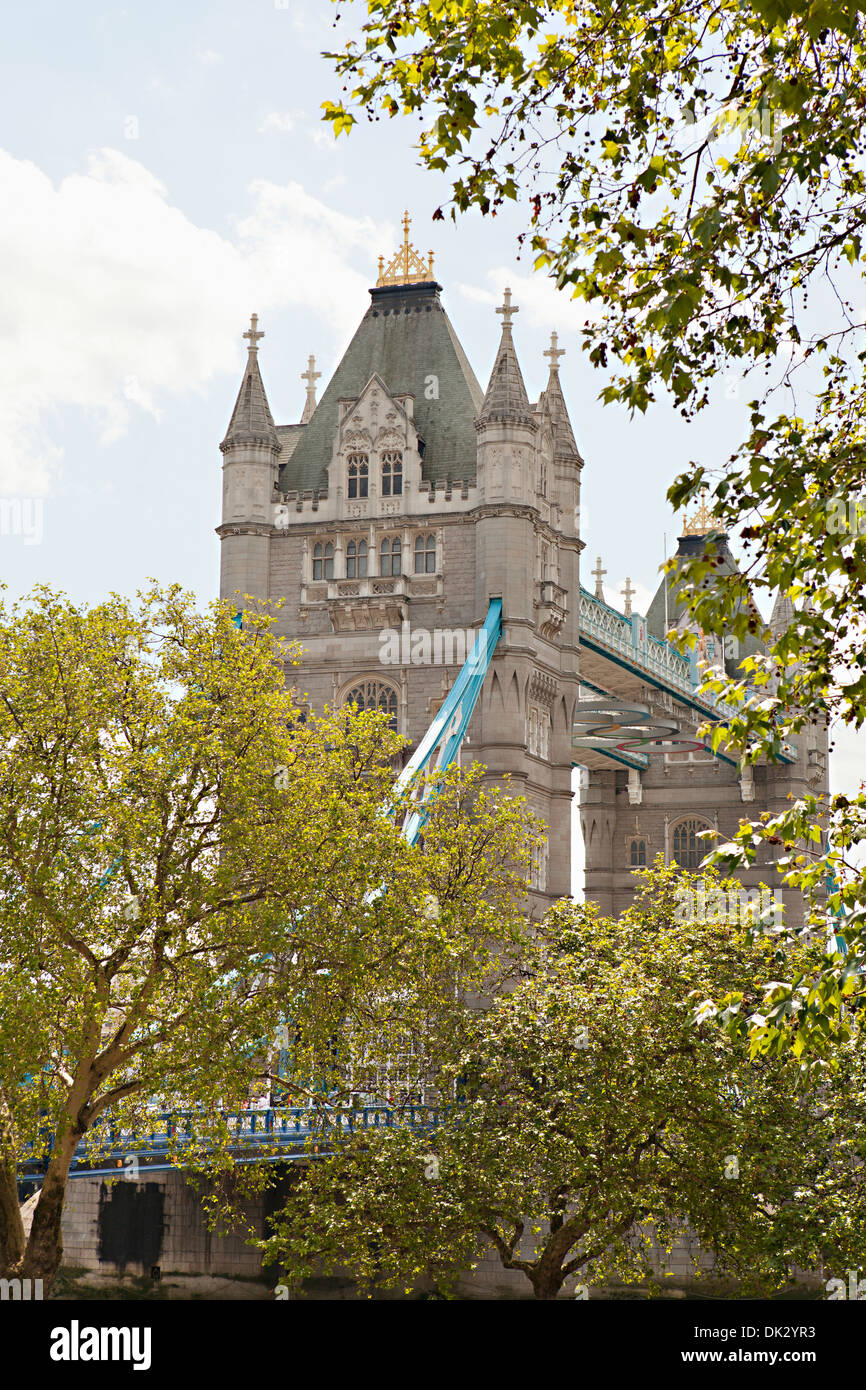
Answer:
x=254 y=1136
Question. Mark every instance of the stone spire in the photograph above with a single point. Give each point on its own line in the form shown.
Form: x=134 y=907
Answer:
x=310 y=376
x=506 y=397
x=782 y=615
x=628 y=594
x=251 y=422
x=599 y=574
x=564 y=441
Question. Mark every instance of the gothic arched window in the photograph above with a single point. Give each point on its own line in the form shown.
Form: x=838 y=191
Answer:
x=359 y=475
x=425 y=554
x=323 y=561
x=391 y=556
x=372 y=694
x=392 y=473
x=356 y=560
x=637 y=854
x=688 y=850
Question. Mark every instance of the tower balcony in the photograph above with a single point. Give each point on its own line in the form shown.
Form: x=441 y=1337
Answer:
x=552 y=606
x=357 y=605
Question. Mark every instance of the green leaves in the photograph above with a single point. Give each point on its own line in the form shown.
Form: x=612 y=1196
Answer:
x=589 y=1098
x=185 y=864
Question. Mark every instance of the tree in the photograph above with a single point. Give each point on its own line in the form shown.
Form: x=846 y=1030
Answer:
x=695 y=174
x=187 y=862
x=593 y=1120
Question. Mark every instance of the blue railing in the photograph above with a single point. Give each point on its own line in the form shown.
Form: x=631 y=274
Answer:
x=272 y=1135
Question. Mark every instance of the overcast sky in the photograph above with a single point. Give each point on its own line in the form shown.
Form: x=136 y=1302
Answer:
x=163 y=173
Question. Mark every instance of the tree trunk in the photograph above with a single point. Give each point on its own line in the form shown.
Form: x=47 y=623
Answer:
x=546 y=1282
x=45 y=1247
x=12 y=1238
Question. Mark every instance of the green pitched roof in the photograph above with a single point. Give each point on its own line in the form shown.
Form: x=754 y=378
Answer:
x=688 y=547
x=407 y=338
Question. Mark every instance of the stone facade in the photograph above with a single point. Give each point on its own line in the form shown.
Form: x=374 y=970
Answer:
x=389 y=521
x=395 y=510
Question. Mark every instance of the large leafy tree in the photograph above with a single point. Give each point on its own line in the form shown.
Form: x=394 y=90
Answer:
x=592 y=1120
x=189 y=864
x=695 y=173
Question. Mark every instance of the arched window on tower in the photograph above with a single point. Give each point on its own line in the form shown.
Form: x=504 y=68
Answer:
x=356 y=560
x=688 y=850
x=359 y=475
x=391 y=556
x=323 y=561
x=425 y=554
x=392 y=473
x=372 y=694
x=637 y=854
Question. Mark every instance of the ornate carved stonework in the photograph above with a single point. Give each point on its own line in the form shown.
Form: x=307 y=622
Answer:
x=542 y=689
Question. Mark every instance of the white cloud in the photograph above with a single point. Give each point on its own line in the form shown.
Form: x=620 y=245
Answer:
x=302 y=252
x=296 y=121
x=283 y=121
x=541 y=303
x=208 y=56
x=114 y=300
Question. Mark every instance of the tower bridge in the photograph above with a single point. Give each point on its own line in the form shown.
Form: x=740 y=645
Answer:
x=408 y=494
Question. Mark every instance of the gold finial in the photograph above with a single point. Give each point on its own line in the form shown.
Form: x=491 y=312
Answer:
x=701 y=521
x=407 y=267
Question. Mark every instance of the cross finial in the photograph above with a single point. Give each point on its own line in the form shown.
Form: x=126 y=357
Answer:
x=554 y=352
x=310 y=376
x=598 y=574
x=628 y=594
x=253 y=333
x=507 y=309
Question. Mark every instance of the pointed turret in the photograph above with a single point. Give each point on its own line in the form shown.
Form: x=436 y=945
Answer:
x=564 y=442
x=251 y=422
x=508 y=477
x=506 y=399
x=250 y=451
x=782 y=615
x=310 y=376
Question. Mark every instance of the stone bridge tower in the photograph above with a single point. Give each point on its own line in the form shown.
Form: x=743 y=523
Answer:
x=395 y=509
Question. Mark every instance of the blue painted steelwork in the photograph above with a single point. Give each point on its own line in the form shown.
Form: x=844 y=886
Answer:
x=440 y=745
x=256 y=1136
